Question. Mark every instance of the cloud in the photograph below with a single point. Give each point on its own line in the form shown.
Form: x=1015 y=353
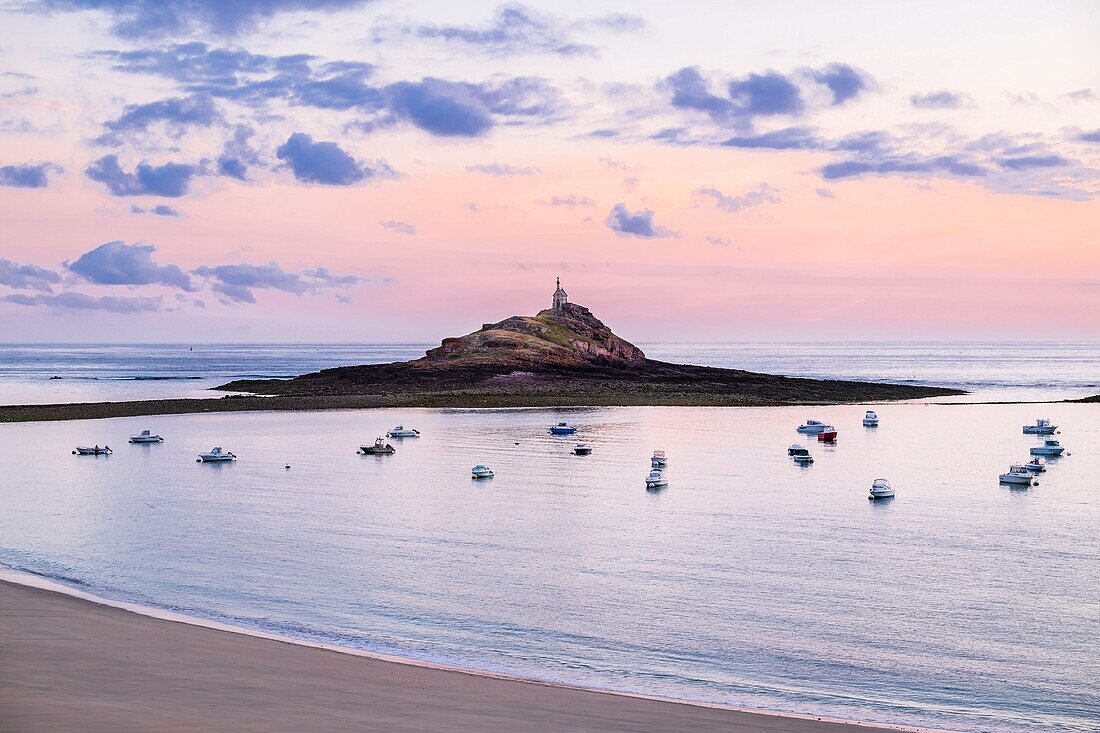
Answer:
x=237 y=283
x=171 y=179
x=720 y=241
x=787 y=138
x=943 y=99
x=904 y=164
x=238 y=156
x=144 y=18
x=1081 y=95
x=1090 y=136
x=825 y=193
x=513 y=29
x=844 y=81
x=690 y=91
x=765 y=94
x=27 y=277
x=118 y=263
x=762 y=194
x=1027 y=162
x=325 y=162
x=81 y=301
x=27 y=175
x=501 y=169
x=178 y=113
x=440 y=107
x=398 y=226
x=158 y=210
x=569 y=200
x=627 y=223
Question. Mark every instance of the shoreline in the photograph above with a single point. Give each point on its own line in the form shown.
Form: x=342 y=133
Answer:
x=657 y=713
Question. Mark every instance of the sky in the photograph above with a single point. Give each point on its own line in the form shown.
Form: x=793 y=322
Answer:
x=379 y=170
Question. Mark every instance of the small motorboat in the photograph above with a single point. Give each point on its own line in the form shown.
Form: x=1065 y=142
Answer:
x=1035 y=465
x=562 y=428
x=380 y=448
x=146 y=437
x=82 y=450
x=656 y=479
x=797 y=449
x=403 y=432
x=216 y=455
x=812 y=427
x=870 y=419
x=800 y=455
x=480 y=471
x=1050 y=447
x=580 y=449
x=1042 y=426
x=1018 y=475
x=881 y=489
x=659 y=460
x=828 y=435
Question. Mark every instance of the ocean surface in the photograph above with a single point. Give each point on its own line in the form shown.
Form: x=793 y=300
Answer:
x=749 y=581
x=98 y=372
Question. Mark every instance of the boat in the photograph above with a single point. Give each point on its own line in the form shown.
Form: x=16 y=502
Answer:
x=1018 y=475
x=380 y=448
x=216 y=455
x=870 y=419
x=562 y=428
x=800 y=455
x=828 y=435
x=659 y=460
x=403 y=432
x=1035 y=465
x=803 y=460
x=656 y=479
x=797 y=449
x=82 y=450
x=146 y=437
x=881 y=489
x=480 y=471
x=580 y=449
x=1050 y=447
x=812 y=427
x=1042 y=426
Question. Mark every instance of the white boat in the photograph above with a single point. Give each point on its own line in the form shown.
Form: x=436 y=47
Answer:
x=403 y=432
x=216 y=455
x=1050 y=447
x=146 y=437
x=580 y=449
x=82 y=450
x=803 y=460
x=1035 y=465
x=812 y=427
x=881 y=489
x=659 y=460
x=656 y=479
x=796 y=448
x=1018 y=476
x=1042 y=426
x=870 y=419
x=480 y=471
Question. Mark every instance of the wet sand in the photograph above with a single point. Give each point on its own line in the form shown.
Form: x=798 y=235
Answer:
x=69 y=664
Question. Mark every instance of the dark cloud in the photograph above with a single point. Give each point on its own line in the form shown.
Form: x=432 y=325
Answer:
x=788 y=138
x=1091 y=136
x=177 y=114
x=513 y=29
x=943 y=99
x=627 y=223
x=237 y=155
x=158 y=210
x=171 y=179
x=325 y=162
x=762 y=194
x=867 y=142
x=80 y=301
x=443 y=108
x=27 y=277
x=690 y=91
x=237 y=283
x=501 y=169
x=903 y=164
x=844 y=81
x=398 y=226
x=1027 y=162
x=27 y=175
x=118 y=263
x=765 y=94
x=144 y=18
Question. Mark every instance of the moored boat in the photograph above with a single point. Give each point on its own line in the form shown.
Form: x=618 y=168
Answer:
x=655 y=479
x=1042 y=426
x=216 y=455
x=1018 y=475
x=870 y=419
x=580 y=449
x=480 y=471
x=82 y=450
x=380 y=448
x=403 y=432
x=828 y=435
x=1050 y=447
x=562 y=428
x=881 y=489
x=800 y=455
x=146 y=436
x=812 y=427
x=1035 y=465
x=659 y=459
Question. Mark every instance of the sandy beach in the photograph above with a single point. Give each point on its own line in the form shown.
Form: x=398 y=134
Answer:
x=68 y=664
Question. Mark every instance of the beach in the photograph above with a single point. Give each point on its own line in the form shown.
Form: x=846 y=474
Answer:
x=68 y=664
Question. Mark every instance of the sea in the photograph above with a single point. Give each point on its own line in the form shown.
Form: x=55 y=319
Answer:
x=961 y=604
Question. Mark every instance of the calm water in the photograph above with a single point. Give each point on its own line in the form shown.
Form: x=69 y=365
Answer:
x=748 y=581
x=97 y=372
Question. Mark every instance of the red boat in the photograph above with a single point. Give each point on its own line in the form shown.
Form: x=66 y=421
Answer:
x=828 y=435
